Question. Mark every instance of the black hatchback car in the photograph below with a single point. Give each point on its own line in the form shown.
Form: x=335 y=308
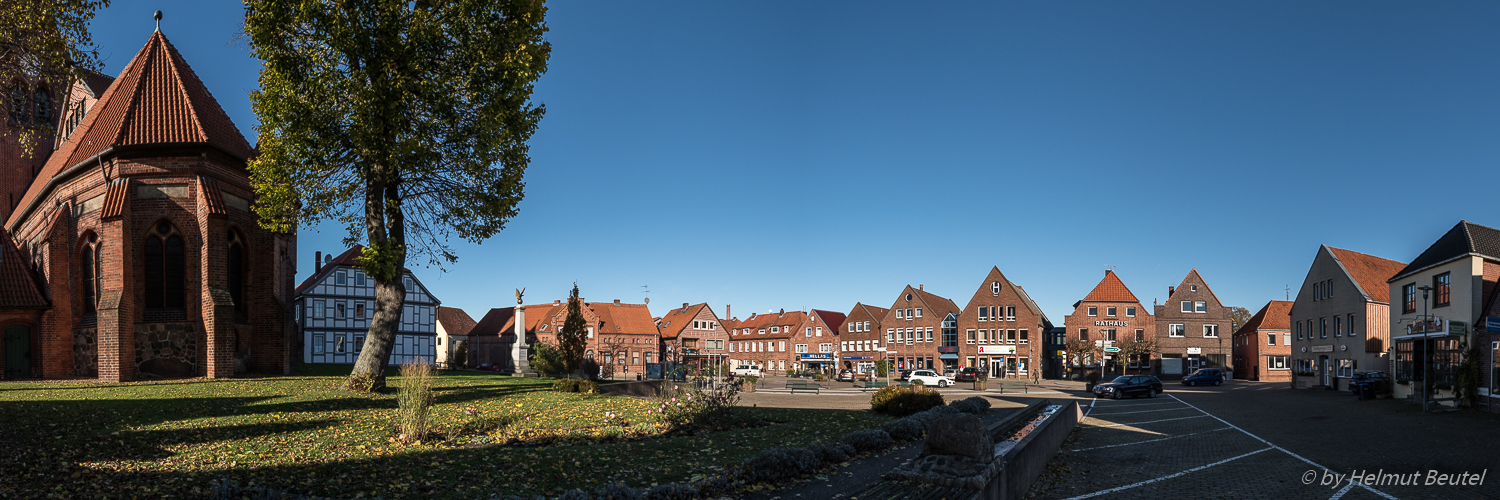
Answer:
x=1135 y=385
x=968 y=375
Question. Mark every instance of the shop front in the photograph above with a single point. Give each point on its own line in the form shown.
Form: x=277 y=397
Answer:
x=862 y=365
x=816 y=362
x=998 y=360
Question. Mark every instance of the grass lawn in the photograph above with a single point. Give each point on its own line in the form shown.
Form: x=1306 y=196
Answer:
x=302 y=435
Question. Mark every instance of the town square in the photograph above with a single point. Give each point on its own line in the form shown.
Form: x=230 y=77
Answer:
x=522 y=250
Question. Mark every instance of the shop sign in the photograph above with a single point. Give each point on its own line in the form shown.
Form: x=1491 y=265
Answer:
x=817 y=356
x=997 y=349
x=1322 y=348
x=948 y=349
x=1111 y=323
x=1458 y=328
x=1195 y=350
x=1492 y=324
x=857 y=357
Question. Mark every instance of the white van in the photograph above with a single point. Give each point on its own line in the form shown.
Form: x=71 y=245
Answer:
x=745 y=370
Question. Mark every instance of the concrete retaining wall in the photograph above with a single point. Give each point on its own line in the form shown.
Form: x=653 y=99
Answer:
x=1030 y=456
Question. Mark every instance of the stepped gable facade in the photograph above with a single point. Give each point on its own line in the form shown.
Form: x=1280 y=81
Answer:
x=136 y=228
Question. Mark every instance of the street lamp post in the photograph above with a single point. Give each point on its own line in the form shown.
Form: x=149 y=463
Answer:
x=1426 y=348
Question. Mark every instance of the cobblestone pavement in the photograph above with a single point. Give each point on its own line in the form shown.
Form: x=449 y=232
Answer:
x=1263 y=440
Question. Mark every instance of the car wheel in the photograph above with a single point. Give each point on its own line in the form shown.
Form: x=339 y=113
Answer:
x=1191 y=383
x=1117 y=394
x=942 y=383
x=1218 y=382
x=1150 y=393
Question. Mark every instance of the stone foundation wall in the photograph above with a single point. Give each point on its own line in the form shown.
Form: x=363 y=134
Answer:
x=167 y=350
x=86 y=352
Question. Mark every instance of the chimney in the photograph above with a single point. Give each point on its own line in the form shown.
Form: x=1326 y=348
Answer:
x=726 y=312
x=1171 y=289
x=556 y=301
x=317 y=261
x=684 y=306
x=919 y=286
x=617 y=302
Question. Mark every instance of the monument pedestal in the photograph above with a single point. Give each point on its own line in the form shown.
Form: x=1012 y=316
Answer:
x=522 y=366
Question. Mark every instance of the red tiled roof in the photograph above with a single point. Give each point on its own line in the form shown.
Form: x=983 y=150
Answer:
x=18 y=288
x=115 y=197
x=1369 y=272
x=502 y=320
x=783 y=319
x=455 y=321
x=624 y=318
x=1274 y=316
x=672 y=323
x=1186 y=282
x=1110 y=289
x=157 y=99
x=834 y=320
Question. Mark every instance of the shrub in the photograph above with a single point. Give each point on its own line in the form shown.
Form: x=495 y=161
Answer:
x=832 y=453
x=613 y=432
x=674 y=491
x=868 y=440
x=574 y=495
x=460 y=358
x=575 y=385
x=643 y=428
x=975 y=405
x=918 y=382
x=415 y=399
x=714 y=407
x=715 y=486
x=900 y=402
x=546 y=360
x=904 y=429
x=617 y=492
x=779 y=463
x=750 y=379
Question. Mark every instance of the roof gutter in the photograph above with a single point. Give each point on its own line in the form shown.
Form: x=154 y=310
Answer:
x=84 y=165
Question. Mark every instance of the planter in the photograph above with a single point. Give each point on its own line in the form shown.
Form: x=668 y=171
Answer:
x=1089 y=386
x=747 y=387
x=979 y=384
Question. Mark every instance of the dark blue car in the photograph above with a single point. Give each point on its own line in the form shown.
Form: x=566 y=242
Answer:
x=1205 y=376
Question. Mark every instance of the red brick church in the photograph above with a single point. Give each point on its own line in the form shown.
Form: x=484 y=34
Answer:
x=128 y=249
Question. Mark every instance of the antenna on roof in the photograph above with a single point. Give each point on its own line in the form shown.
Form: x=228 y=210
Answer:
x=646 y=289
x=1110 y=266
x=158 y=21
x=1289 y=292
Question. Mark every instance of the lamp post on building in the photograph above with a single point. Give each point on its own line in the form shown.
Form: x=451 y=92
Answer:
x=1426 y=347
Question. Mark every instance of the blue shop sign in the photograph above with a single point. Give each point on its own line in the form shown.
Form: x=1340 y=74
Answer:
x=817 y=356
x=858 y=357
x=1492 y=324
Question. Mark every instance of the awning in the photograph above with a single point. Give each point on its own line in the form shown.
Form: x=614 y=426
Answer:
x=948 y=356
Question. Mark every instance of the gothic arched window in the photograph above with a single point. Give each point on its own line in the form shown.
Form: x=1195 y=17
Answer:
x=18 y=103
x=166 y=268
x=89 y=263
x=43 y=105
x=237 y=273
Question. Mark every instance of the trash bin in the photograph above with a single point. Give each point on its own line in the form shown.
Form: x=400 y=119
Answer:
x=1366 y=392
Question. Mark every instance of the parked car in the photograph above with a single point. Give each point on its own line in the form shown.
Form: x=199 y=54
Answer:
x=929 y=377
x=1380 y=381
x=1137 y=385
x=845 y=376
x=903 y=374
x=1205 y=376
x=745 y=370
x=489 y=367
x=968 y=375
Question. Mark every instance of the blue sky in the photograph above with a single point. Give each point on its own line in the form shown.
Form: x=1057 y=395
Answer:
x=813 y=154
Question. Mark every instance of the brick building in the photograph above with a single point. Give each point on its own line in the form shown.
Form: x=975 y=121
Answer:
x=1443 y=294
x=1189 y=329
x=621 y=335
x=915 y=329
x=765 y=340
x=861 y=338
x=816 y=340
x=1001 y=329
x=334 y=307
x=1263 y=345
x=138 y=231
x=1340 y=318
x=695 y=334
x=1104 y=316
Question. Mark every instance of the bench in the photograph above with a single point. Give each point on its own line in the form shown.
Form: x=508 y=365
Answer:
x=804 y=385
x=873 y=384
x=1013 y=386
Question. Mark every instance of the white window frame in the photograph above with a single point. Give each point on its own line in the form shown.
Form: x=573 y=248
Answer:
x=1200 y=307
x=970 y=333
x=919 y=312
x=1187 y=306
x=317 y=344
x=1176 y=330
x=801 y=348
x=1270 y=339
x=320 y=310
x=1130 y=312
x=1111 y=311
x=1093 y=311
x=1211 y=327
x=995 y=287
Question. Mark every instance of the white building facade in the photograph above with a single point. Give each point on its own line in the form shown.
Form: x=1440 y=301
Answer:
x=334 y=307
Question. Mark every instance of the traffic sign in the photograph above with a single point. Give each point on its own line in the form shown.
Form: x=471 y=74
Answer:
x=1111 y=349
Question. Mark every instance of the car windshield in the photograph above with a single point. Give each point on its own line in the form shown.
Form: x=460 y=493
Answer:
x=1121 y=380
x=1203 y=372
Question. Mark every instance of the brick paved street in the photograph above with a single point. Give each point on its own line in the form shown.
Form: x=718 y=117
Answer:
x=1257 y=440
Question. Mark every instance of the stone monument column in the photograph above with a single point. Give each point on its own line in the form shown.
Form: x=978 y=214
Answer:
x=521 y=367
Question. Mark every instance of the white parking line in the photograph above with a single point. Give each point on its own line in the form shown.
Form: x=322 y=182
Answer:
x=1289 y=452
x=1163 y=478
x=1141 y=404
x=1143 y=411
x=1092 y=404
x=1154 y=421
x=1340 y=494
x=1149 y=440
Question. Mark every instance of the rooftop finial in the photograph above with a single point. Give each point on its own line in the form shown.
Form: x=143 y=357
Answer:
x=158 y=21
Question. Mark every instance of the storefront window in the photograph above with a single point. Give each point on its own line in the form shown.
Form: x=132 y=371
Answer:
x=1404 y=366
